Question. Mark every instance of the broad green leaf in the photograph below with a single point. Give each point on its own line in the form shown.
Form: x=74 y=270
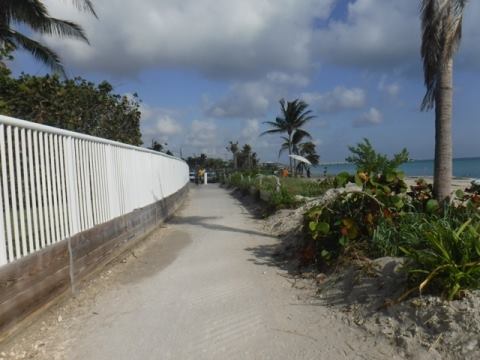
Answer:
x=323 y=228
x=432 y=206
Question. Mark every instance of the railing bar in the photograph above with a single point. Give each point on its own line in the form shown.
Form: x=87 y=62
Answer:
x=60 y=185
x=48 y=150
x=44 y=208
x=6 y=203
x=88 y=183
x=53 y=156
x=98 y=219
x=80 y=183
x=18 y=174
x=26 y=180
x=53 y=130
x=32 y=166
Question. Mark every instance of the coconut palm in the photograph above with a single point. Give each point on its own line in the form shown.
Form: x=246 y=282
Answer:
x=34 y=14
x=294 y=115
x=233 y=148
x=442 y=32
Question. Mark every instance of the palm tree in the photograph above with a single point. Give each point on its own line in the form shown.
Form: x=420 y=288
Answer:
x=309 y=152
x=34 y=14
x=294 y=115
x=233 y=148
x=442 y=32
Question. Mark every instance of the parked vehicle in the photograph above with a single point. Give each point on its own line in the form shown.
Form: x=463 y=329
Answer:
x=212 y=177
x=192 y=176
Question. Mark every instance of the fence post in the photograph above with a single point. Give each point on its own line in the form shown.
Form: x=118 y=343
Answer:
x=112 y=190
x=71 y=181
x=3 y=240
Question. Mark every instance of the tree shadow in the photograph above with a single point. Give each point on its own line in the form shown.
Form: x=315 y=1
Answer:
x=205 y=222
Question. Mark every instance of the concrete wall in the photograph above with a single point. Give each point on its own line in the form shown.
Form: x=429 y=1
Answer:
x=31 y=283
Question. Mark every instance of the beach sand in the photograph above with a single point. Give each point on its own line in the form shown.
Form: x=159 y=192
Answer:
x=457 y=183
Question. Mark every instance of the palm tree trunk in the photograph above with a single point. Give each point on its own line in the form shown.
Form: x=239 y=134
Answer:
x=290 y=151
x=442 y=179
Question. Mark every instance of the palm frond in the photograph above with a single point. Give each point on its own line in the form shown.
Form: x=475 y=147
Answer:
x=85 y=5
x=441 y=35
x=39 y=51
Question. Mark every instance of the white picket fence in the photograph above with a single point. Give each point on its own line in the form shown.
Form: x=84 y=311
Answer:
x=56 y=183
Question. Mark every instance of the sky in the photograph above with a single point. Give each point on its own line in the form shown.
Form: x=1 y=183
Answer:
x=212 y=71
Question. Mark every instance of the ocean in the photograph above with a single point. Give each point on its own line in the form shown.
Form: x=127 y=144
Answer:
x=462 y=168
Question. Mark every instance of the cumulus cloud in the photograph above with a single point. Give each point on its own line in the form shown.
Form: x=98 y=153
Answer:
x=252 y=99
x=385 y=35
x=158 y=124
x=203 y=134
x=252 y=130
x=369 y=118
x=216 y=37
x=338 y=99
x=390 y=89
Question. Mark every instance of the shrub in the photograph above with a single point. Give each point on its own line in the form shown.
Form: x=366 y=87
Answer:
x=367 y=160
x=449 y=260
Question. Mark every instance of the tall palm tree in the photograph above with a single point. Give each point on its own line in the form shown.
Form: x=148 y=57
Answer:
x=34 y=14
x=233 y=148
x=442 y=32
x=294 y=115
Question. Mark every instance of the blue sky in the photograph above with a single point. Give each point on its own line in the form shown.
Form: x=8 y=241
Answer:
x=210 y=71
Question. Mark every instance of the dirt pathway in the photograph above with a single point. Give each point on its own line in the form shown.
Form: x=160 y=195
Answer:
x=196 y=289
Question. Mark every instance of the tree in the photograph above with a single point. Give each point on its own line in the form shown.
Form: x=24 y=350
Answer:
x=294 y=115
x=73 y=104
x=309 y=152
x=367 y=160
x=34 y=14
x=156 y=146
x=442 y=32
x=233 y=148
x=247 y=159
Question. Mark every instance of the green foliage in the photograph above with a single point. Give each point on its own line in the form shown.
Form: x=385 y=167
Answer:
x=441 y=242
x=350 y=217
x=282 y=199
x=77 y=105
x=449 y=260
x=367 y=160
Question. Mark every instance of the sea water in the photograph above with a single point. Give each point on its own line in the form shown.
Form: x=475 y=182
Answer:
x=462 y=168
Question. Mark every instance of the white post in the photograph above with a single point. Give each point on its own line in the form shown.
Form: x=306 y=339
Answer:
x=73 y=202
x=205 y=176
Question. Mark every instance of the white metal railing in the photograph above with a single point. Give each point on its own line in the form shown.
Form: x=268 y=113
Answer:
x=56 y=183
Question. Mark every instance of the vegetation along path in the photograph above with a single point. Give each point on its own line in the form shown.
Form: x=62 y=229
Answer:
x=201 y=287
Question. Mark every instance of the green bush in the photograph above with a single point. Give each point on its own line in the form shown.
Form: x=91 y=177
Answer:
x=448 y=261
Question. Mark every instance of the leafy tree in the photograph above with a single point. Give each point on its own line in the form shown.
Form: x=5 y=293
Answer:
x=367 y=160
x=442 y=32
x=206 y=162
x=76 y=104
x=294 y=115
x=34 y=15
x=156 y=146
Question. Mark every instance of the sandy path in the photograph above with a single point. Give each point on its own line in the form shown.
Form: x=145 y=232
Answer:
x=201 y=288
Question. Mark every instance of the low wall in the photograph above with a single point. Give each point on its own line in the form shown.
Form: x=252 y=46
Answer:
x=34 y=281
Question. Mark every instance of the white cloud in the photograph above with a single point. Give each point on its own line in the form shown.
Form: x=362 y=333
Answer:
x=216 y=37
x=203 y=134
x=390 y=89
x=252 y=130
x=338 y=99
x=386 y=35
x=251 y=99
x=371 y=117
x=158 y=124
